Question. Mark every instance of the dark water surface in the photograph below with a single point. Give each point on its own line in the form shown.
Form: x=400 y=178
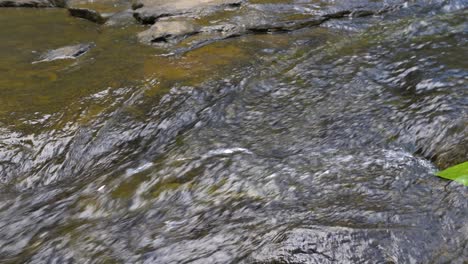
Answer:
x=312 y=146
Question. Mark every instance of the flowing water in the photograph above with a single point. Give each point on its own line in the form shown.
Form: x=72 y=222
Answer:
x=312 y=146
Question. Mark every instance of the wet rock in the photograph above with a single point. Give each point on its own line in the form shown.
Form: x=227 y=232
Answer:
x=87 y=14
x=221 y=32
x=101 y=6
x=172 y=32
x=32 y=3
x=454 y=151
x=168 y=31
x=68 y=52
x=121 y=19
x=286 y=26
x=251 y=19
x=148 y=11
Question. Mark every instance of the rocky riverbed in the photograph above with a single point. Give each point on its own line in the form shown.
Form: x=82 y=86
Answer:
x=232 y=131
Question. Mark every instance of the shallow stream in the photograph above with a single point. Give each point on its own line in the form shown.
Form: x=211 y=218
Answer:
x=317 y=145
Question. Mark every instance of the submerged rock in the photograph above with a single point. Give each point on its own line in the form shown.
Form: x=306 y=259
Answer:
x=168 y=31
x=87 y=14
x=32 y=3
x=148 y=11
x=68 y=52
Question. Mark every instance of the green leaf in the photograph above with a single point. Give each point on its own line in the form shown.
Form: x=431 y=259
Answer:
x=457 y=173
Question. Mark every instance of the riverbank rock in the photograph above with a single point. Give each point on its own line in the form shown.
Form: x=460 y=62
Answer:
x=32 y=3
x=87 y=14
x=68 y=52
x=148 y=11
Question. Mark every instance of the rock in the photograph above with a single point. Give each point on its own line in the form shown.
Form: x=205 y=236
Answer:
x=451 y=157
x=168 y=31
x=252 y=19
x=101 y=6
x=32 y=3
x=221 y=32
x=68 y=52
x=363 y=13
x=222 y=28
x=121 y=19
x=148 y=11
x=285 y=26
x=87 y=14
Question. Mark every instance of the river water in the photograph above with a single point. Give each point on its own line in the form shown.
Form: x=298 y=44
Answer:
x=312 y=146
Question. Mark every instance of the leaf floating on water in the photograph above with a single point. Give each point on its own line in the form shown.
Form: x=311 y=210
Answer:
x=457 y=173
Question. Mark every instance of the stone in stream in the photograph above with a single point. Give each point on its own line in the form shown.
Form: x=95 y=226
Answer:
x=87 y=14
x=32 y=3
x=68 y=52
x=148 y=11
x=251 y=19
x=121 y=19
x=168 y=31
